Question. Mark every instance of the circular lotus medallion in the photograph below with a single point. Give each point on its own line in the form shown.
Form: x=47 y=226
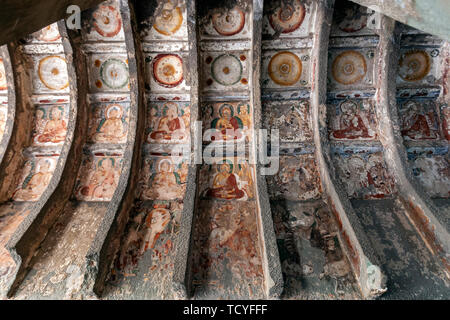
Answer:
x=229 y=23
x=107 y=21
x=285 y=68
x=414 y=65
x=169 y=21
x=52 y=71
x=168 y=70
x=226 y=69
x=3 y=85
x=49 y=33
x=114 y=73
x=288 y=17
x=349 y=67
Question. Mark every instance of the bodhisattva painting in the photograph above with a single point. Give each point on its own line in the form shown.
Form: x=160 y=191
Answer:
x=352 y=120
x=296 y=179
x=98 y=178
x=419 y=120
x=109 y=123
x=50 y=125
x=230 y=121
x=227 y=179
x=168 y=122
x=151 y=236
x=36 y=176
x=365 y=175
x=227 y=254
x=162 y=179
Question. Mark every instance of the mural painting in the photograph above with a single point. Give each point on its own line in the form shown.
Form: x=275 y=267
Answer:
x=35 y=178
x=50 y=124
x=297 y=179
x=109 y=123
x=226 y=250
x=149 y=240
x=98 y=177
x=227 y=179
x=352 y=120
x=162 y=178
x=291 y=118
x=418 y=120
x=364 y=172
x=108 y=73
x=168 y=122
x=431 y=166
x=229 y=121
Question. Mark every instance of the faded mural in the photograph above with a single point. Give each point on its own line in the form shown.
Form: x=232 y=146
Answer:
x=226 y=250
x=363 y=172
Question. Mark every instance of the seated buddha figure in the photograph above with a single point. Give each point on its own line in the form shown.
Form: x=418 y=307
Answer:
x=165 y=183
x=225 y=184
x=170 y=126
x=351 y=124
x=415 y=124
x=103 y=182
x=55 y=129
x=111 y=129
x=32 y=190
x=227 y=126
